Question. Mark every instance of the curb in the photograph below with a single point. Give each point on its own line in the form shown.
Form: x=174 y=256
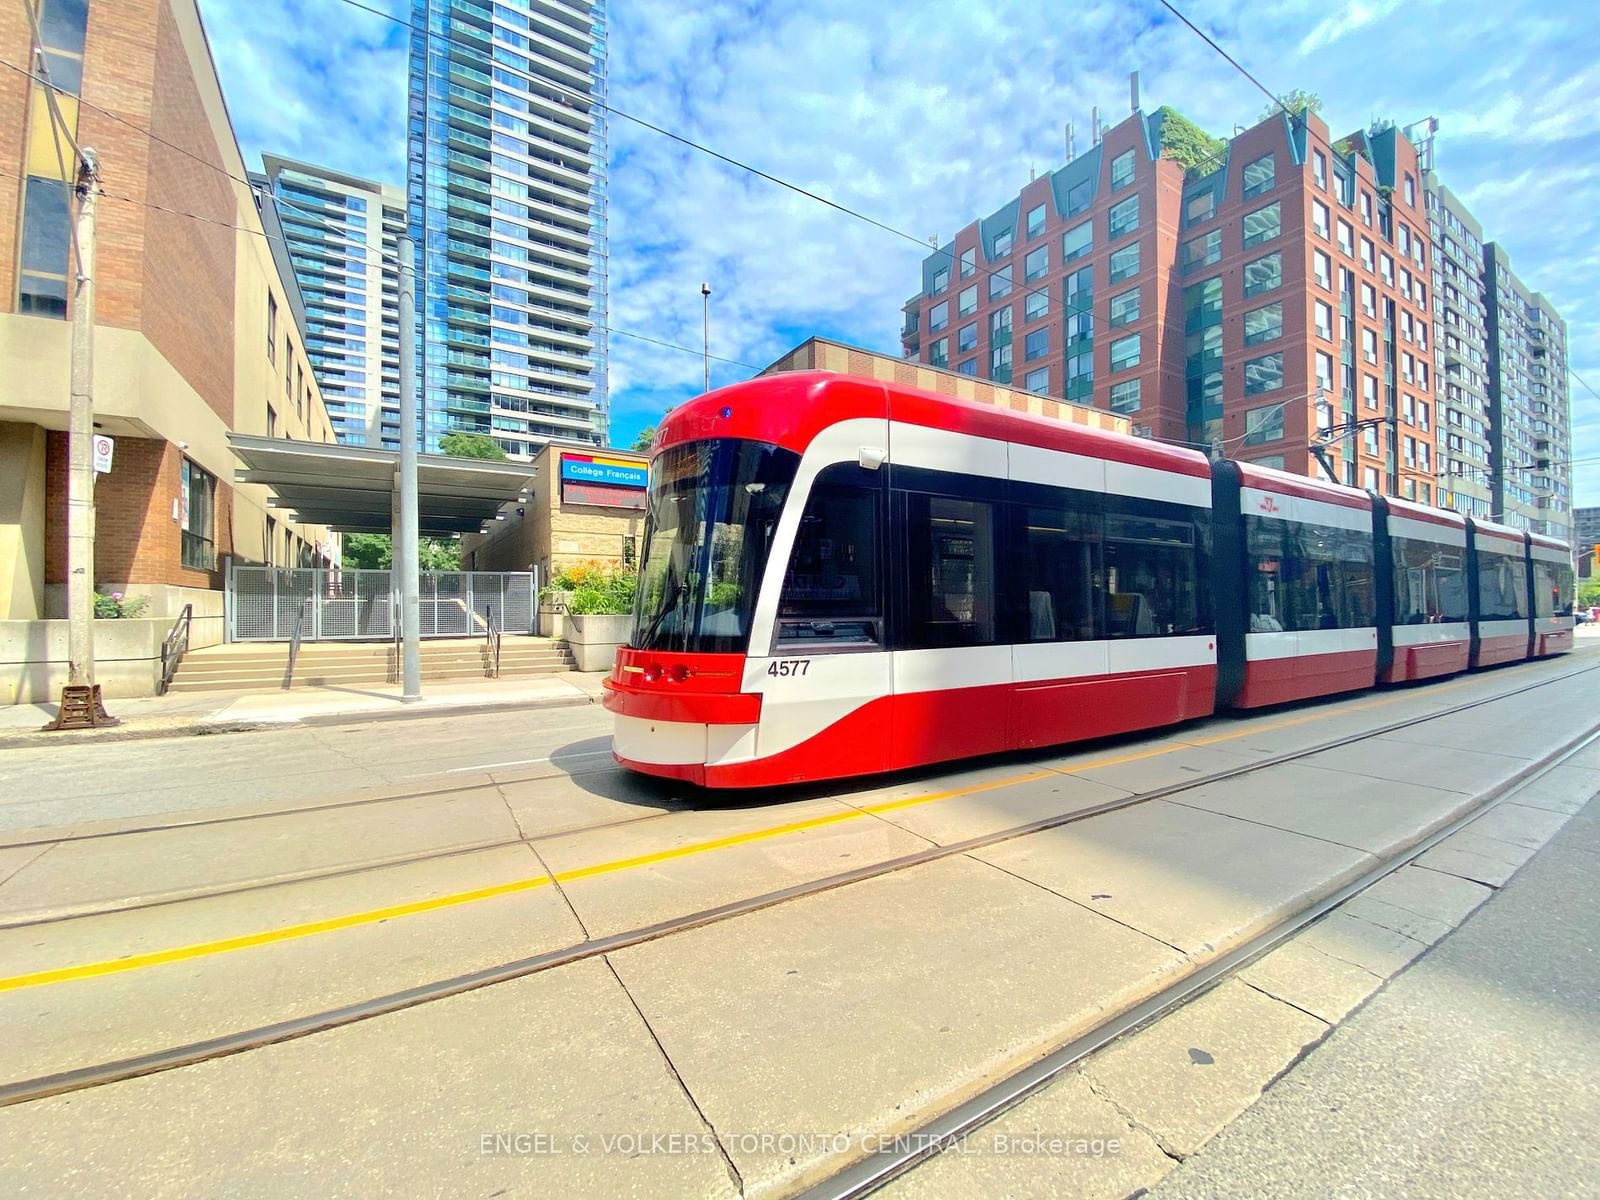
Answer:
x=207 y=728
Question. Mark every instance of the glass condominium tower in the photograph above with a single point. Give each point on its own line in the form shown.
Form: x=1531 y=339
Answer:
x=506 y=195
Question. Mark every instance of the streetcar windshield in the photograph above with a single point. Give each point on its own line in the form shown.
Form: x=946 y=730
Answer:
x=714 y=508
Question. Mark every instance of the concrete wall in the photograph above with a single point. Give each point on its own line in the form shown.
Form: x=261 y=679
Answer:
x=22 y=488
x=33 y=658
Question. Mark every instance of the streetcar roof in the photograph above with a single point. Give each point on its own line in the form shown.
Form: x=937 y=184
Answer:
x=790 y=409
x=1269 y=479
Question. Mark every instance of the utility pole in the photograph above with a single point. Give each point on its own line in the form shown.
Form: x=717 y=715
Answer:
x=405 y=536
x=705 y=356
x=81 y=706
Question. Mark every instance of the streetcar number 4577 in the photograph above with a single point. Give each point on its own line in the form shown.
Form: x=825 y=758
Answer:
x=789 y=666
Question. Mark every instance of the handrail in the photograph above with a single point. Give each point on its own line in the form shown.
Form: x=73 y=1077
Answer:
x=294 y=643
x=174 y=646
x=396 y=619
x=491 y=632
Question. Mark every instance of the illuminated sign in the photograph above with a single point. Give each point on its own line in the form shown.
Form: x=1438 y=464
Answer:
x=613 y=472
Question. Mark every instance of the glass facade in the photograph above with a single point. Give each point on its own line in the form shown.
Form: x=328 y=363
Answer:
x=507 y=194
x=341 y=236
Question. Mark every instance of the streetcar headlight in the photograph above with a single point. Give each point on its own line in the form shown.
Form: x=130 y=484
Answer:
x=680 y=673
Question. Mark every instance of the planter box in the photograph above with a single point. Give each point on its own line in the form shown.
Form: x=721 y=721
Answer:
x=594 y=638
x=33 y=658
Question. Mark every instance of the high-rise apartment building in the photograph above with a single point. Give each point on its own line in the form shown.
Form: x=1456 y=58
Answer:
x=1530 y=436
x=1258 y=298
x=507 y=189
x=341 y=236
x=1461 y=355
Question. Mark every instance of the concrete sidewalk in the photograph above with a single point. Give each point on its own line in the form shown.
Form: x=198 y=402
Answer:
x=235 y=711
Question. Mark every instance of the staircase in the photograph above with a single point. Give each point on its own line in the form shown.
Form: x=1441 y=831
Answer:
x=259 y=666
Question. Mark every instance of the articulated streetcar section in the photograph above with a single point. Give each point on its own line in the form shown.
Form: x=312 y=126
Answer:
x=984 y=807
x=843 y=577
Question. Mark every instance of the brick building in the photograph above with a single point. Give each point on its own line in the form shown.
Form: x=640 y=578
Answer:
x=196 y=334
x=1255 y=296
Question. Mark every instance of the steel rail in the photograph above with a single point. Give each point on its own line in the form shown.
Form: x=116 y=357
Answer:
x=99 y=1074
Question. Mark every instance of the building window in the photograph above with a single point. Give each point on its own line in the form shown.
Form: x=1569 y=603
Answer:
x=1125 y=396
x=1036 y=263
x=967 y=338
x=1080 y=373
x=1347 y=238
x=1320 y=219
x=1079 y=197
x=1322 y=269
x=1123 y=218
x=1000 y=323
x=1000 y=283
x=1262 y=425
x=1035 y=221
x=970 y=367
x=1411 y=189
x=1324 y=371
x=1036 y=344
x=46 y=219
x=1369 y=478
x=1038 y=381
x=939 y=353
x=1125 y=353
x=1002 y=243
x=272 y=421
x=939 y=316
x=1124 y=263
x=967 y=301
x=1125 y=308
x=1319 y=168
x=1369 y=398
x=1324 y=320
x=1202 y=251
x=1366 y=209
x=1369 y=300
x=969 y=262
x=198 y=498
x=1259 y=176
x=1000 y=363
x=1122 y=170
x=1035 y=305
x=1261 y=226
x=1263 y=324
x=1263 y=274
x=1264 y=374
x=1369 y=346
x=1386 y=269
x=272 y=329
x=941 y=280
x=1077 y=241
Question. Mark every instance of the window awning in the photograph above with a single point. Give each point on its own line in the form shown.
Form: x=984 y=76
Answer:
x=352 y=488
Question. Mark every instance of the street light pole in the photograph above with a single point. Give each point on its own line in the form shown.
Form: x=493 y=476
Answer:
x=404 y=537
x=705 y=354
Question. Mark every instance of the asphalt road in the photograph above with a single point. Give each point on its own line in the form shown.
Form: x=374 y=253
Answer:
x=1474 y=1073
x=51 y=785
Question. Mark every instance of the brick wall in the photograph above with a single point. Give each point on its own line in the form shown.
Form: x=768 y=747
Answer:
x=136 y=539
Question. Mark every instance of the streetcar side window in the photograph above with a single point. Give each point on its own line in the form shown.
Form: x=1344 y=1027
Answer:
x=1502 y=586
x=1430 y=582
x=1154 y=566
x=951 y=572
x=832 y=593
x=1059 y=551
x=1552 y=589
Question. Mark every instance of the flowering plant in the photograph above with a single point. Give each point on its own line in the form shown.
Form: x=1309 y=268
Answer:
x=113 y=605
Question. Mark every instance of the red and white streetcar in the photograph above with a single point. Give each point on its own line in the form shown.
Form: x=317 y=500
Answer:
x=843 y=577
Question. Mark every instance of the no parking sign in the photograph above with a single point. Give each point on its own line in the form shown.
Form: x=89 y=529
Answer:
x=103 y=447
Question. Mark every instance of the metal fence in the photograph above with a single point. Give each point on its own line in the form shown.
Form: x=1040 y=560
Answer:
x=355 y=605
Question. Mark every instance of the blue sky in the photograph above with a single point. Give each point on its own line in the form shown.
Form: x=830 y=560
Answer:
x=926 y=116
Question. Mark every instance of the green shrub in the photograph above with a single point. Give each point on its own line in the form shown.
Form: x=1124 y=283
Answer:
x=111 y=606
x=592 y=589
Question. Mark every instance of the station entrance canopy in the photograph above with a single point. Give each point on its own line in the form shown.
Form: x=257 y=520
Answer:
x=353 y=488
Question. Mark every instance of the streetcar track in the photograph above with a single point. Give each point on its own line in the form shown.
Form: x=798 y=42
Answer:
x=28 y=919
x=95 y=1075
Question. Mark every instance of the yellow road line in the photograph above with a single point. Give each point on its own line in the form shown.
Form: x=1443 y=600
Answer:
x=454 y=899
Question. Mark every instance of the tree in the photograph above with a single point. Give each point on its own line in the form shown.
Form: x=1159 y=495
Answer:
x=367 y=551
x=1297 y=102
x=646 y=438
x=439 y=554
x=1186 y=144
x=461 y=444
